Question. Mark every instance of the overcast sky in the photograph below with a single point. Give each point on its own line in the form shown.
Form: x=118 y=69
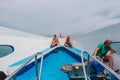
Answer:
x=59 y=16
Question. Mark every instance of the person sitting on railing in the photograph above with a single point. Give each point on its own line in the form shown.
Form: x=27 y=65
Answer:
x=104 y=51
x=55 y=41
x=68 y=42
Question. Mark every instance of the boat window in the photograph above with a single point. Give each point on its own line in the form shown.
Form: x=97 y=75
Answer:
x=6 y=50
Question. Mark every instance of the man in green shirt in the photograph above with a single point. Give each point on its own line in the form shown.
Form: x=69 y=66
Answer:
x=104 y=50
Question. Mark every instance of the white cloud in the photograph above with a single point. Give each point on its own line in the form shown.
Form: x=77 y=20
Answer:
x=53 y=16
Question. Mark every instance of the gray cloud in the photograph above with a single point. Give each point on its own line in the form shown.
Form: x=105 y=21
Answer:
x=65 y=16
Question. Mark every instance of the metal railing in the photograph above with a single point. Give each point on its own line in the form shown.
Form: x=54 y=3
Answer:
x=88 y=58
x=41 y=67
x=110 y=71
x=83 y=64
x=35 y=56
x=86 y=71
x=13 y=75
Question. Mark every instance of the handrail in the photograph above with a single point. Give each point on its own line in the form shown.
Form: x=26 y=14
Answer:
x=76 y=53
x=13 y=75
x=36 y=68
x=41 y=67
x=105 y=66
x=84 y=70
x=23 y=65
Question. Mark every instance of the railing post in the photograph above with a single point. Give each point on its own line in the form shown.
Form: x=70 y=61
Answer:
x=88 y=64
x=36 y=67
x=83 y=64
x=41 y=63
x=13 y=75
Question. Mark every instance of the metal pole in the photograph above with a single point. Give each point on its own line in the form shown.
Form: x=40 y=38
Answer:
x=83 y=66
x=41 y=66
x=15 y=72
x=36 y=67
x=88 y=64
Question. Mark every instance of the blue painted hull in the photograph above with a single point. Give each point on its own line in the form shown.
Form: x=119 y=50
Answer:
x=51 y=67
x=52 y=63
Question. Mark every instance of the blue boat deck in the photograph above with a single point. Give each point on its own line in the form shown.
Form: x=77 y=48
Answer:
x=51 y=66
